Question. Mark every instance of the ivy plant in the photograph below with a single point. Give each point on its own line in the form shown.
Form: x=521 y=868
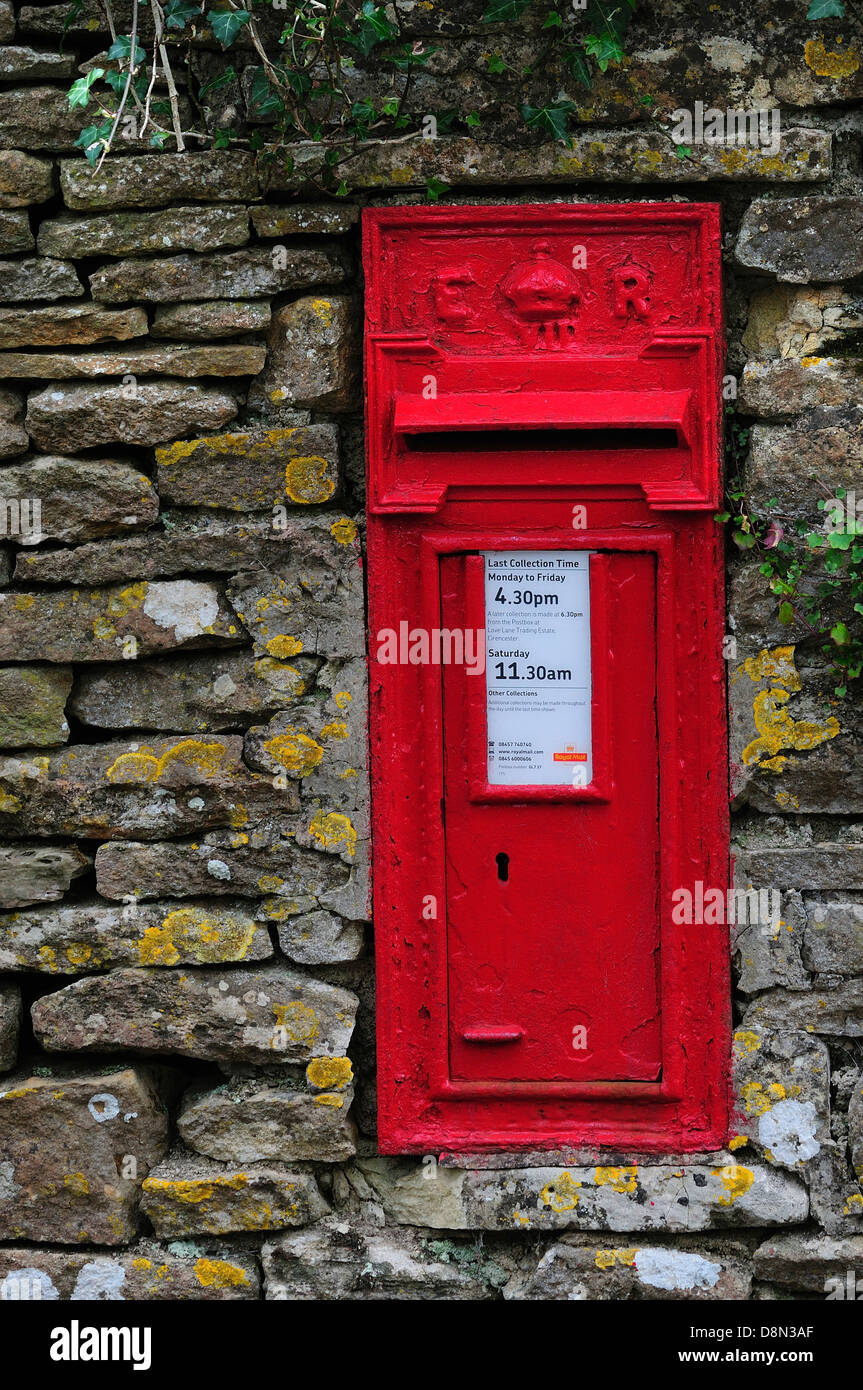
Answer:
x=301 y=87
x=813 y=566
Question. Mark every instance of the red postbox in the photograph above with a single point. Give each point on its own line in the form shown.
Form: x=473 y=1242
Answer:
x=548 y=728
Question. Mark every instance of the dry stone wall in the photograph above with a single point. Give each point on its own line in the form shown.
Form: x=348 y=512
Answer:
x=186 y=983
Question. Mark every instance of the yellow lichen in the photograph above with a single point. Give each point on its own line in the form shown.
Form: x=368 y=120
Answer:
x=77 y=953
x=284 y=646
x=755 y=1099
x=736 y=1180
x=607 y=1259
x=324 y=310
x=228 y=445
x=121 y=603
x=746 y=1041
x=344 y=530
x=219 y=1274
x=294 y=751
x=307 y=480
x=142 y=765
x=778 y=731
x=826 y=62
x=330 y=1073
x=46 y=957
x=298 y=1021
x=776 y=665
x=619 y=1179
x=333 y=831
x=206 y=935
x=561 y=1194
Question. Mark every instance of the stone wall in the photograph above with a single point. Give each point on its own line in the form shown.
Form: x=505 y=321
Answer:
x=186 y=996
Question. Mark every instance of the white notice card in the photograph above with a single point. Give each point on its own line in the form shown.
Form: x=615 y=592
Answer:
x=537 y=628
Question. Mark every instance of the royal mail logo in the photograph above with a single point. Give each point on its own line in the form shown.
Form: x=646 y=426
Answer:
x=569 y=755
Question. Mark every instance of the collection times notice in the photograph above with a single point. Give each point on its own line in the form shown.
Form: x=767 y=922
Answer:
x=537 y=627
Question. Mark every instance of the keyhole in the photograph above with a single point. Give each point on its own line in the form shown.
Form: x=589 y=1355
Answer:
x=502 y=867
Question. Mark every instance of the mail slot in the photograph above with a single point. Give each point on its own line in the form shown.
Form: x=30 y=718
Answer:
x=547 y=713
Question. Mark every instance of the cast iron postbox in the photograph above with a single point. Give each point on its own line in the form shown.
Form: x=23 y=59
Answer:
x=548 y=736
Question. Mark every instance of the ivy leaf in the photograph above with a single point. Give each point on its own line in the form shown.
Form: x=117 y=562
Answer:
x=362 y=114
x=226 y=24
x=375 y=26
x=840 y=540
x=549 y=119
x=744 y=540
x=446 y=120
x=79 y=92
x=608 y=27
x=502 y=10
x=840 y=634
x=224 y=79
x=472 y=119
x=93 y=139
x=122 y=47
x=615 y=19
x=826 y=9
x=299 y=82
x=575 y=62
x=160 y=139
x=408 y=57
x=683 y=151
x=553 y=20
x=605 y=48
x=495 y=63
x=116 y=81
x=177 y=13
x=434 y=188
x=786 y=613
x=722 y=516
x=263 y=100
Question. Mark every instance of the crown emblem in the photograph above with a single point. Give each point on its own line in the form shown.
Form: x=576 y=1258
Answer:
x=544 y=295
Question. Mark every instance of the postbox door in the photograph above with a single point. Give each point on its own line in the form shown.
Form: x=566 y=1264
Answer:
x=552 y=921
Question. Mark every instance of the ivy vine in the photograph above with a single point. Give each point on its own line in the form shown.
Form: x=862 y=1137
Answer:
x=302 y=86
